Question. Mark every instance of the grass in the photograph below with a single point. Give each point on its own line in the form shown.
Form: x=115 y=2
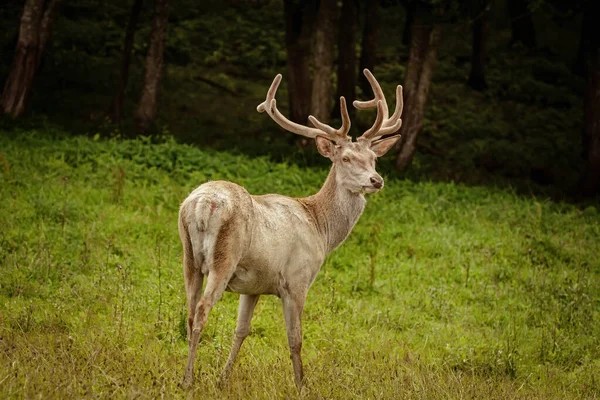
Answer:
x=441 y=291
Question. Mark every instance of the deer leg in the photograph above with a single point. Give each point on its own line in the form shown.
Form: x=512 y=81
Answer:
x=216 y=283
x=193 y=289
x=242 y=329
x=192 y=275
x=292 y=312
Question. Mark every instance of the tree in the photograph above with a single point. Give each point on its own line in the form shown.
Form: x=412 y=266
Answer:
x=299 y=22
x=34 y=32
x=409 y=7
x=346 y=72
x=591 y=135
x=369 y=43
x=587 y=29
x=323 y=60
x=521 y=22
x=117 y=104
x=477 y=76
x=147 y=106
x=424 y=41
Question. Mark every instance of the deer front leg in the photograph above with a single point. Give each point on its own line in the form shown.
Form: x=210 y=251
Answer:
x=245 y=311
x=292 y=312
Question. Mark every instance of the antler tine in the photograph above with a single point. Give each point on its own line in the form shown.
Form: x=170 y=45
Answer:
x=324 y=127
x=392 y=124
x=373 y=131
x=289 y=125
x=270 y=93
x=321 y=129
x=335 y=134
x=388 y=125
x=379 y=96
x=270 y=106
x=388 y=129
x=345 y=117
x=399 y=106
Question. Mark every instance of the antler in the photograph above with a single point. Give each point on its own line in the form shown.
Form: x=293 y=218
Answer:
x=321 y=129
x=383 y=125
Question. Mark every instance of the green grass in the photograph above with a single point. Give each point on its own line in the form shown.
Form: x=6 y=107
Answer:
x=441 y=291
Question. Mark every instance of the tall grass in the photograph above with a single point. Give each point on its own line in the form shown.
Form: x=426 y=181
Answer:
x=440 y=291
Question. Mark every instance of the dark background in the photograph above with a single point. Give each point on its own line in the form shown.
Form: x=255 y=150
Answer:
x=497 y=92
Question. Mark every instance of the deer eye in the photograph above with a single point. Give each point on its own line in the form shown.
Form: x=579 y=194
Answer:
x=345 y=159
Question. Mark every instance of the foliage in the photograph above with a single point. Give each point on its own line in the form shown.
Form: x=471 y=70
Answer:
x=523 y=132
x=441 y=290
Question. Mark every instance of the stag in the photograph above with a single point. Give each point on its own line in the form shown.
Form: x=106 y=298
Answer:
x=275 y=244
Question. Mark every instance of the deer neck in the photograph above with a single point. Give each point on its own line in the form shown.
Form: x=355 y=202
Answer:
x=335 y=210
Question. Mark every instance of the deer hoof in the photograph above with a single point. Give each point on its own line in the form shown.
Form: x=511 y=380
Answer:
x=187 y=382
x=223 y=378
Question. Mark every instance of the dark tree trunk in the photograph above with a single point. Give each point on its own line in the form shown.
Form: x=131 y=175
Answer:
x=425 y=38
x=521 y=22
x=410 y=9
x=477 y=75
x=299 y=22
x=587 y=29
x=591 y=135
x=34 y=32
x=146 y=111
x=325 y=33
x=346 y=73
x=369 y=43
x=117 y=104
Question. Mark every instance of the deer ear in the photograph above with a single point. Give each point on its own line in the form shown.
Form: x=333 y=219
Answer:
x=325 y=146
x=381 y=147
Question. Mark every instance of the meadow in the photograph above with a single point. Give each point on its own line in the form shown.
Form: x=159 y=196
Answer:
x=441 y=291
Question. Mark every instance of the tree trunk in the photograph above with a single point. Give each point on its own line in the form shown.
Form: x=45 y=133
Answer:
x=523 y=30
x=346 y=73
x=323 y=60
x=369 y=43
x=34 y=32
x=422 y=56
x=299 y=21
x=146 y=111
x=591 y=135
x=410 y=9
x=117 y=104
x=477 y=76
x=587 y=30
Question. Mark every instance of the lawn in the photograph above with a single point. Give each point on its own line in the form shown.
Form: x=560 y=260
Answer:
x=441 y=290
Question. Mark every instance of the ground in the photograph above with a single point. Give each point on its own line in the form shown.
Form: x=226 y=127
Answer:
x=442 y=290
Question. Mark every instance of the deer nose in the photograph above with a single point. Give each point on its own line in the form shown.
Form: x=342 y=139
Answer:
x=377 y=182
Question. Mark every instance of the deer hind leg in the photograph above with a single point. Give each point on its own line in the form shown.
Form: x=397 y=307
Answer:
x=242 y=329
x=225 y=257
x=193 y=289
x=192 y=274
x=215 y=286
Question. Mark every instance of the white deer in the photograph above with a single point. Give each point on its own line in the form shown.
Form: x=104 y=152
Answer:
x=274 y=244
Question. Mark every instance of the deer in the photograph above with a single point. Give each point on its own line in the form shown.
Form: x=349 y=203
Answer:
x=274 y=244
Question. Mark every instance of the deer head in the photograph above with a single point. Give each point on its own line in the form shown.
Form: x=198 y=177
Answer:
x=354 y=162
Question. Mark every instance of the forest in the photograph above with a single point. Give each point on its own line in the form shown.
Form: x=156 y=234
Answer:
x=473 y=274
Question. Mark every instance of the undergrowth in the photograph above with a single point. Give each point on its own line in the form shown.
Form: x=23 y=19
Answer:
x=523 y=132
x=441 y=290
